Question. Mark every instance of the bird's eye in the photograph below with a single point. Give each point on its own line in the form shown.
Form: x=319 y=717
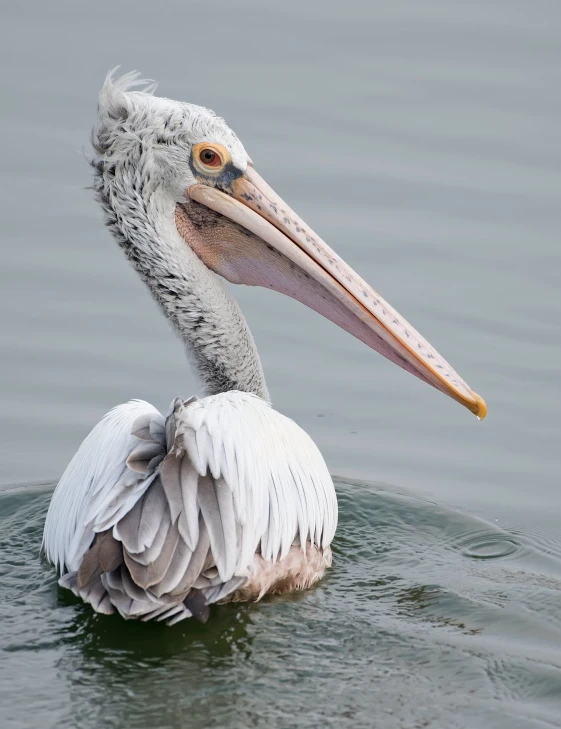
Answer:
x=210 y=158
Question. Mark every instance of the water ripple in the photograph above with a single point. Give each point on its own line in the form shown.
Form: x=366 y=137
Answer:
x=429 y=614
x=490 y=546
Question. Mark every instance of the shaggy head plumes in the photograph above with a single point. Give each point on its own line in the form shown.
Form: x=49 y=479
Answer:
x=144 y=140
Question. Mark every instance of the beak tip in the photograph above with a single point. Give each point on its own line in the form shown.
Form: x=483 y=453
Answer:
x=479 y=407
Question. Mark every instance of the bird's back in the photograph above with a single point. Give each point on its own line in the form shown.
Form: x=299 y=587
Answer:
x=223 y=499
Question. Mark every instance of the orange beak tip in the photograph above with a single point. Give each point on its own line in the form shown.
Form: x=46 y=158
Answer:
x=480 y=408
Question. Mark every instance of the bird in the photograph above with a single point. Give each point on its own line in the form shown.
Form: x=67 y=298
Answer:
x=222 y=498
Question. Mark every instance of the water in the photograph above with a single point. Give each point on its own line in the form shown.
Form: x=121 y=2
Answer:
x=430 y=617
x=422 y=141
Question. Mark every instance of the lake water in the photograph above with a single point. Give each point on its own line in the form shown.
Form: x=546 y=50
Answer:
x=422 y=141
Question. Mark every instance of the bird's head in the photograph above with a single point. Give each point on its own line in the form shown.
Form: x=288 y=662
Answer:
x=149 y=140
x=239 y=227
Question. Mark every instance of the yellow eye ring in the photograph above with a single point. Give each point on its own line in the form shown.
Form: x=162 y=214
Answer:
x=209 y=158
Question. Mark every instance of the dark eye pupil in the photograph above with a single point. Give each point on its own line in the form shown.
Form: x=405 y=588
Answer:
x=209 y=155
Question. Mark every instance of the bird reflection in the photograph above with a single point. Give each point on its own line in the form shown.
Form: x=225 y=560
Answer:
x=110 y=641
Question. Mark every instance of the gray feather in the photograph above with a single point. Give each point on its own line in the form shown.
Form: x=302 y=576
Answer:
x=140 y=457
x=96 y=593
x=171 y=423
x=90 y=568
x=170 y=478
x=153 y=510
x=170 y=612
x=156 y=612
x=113 y=581
x=69 y=582
x=127 y=529
x=105 y=607
x=201 y=583
x=110 y=553
x=219 y=592
x=151 y=553
x=130 y=587
x=139 y=607
x=190 y=446
x=228 y=516
x=210 y=511
x=148 y=575
x=141 y=427
x=126 y=491
x=176 y=570
x=143 y=434
x=158 y=432
x=196 y=563
x=189 y=519
x=122 y=602
x=138 y=529
x=179 y=616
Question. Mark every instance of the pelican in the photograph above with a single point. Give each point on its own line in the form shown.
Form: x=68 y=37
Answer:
x=222 y=498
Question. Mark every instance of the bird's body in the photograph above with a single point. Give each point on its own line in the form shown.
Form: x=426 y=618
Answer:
x=221 y=487
x=223 y=498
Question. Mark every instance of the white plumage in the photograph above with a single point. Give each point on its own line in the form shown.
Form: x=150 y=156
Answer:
x=227 y=464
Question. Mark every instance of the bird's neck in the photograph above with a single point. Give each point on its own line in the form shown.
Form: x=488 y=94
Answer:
x=207 y=318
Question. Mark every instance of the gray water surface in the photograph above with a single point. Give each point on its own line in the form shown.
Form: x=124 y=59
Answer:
x=422 y=140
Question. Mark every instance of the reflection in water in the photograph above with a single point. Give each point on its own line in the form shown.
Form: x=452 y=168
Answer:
x=138 y=673
x=119 y=641
x=406 y=628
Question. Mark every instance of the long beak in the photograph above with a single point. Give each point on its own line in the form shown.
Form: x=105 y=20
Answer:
x=285 y=254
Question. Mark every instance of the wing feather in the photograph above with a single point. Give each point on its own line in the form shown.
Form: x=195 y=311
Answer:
x=151 y=553
x=127 y=529
x=154 y=509
x=97 y=467
x=189 y=519
x=181 y=505
x=210 y=511
x=176 y=570
x=196 y=563
x=152 y=573
x=228 y=517
x=171 y=480
x=131 y=589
